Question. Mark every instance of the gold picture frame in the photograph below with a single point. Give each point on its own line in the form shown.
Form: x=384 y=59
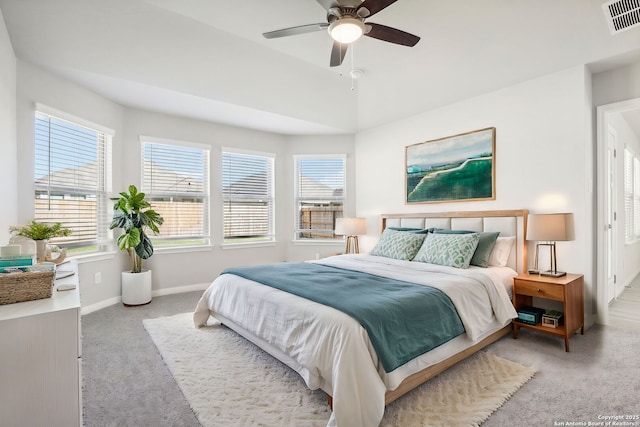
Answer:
x=458 y=168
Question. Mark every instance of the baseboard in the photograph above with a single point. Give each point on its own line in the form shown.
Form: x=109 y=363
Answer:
x=100 y=305
x=156 y=293
x=180 y=289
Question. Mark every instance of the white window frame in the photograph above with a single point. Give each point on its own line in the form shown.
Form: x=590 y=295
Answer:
x=270 y=197
x=103 y=242
x=192 y=241
x=296 y=195
x=631 y=196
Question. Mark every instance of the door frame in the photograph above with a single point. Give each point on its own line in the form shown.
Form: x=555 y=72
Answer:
x=611 y=196
x=602 y=130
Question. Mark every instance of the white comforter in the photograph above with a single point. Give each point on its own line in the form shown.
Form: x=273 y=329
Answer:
x=331 y=350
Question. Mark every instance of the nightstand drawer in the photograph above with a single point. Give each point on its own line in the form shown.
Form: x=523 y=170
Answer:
x=537 y=289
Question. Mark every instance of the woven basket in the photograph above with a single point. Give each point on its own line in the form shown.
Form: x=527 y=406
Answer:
x=18 y=287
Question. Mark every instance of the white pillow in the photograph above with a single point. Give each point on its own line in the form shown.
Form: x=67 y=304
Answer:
x=501 y=251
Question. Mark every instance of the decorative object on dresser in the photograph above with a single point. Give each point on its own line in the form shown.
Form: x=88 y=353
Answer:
x=41 y=233
x=567 y=290
x=26 y=283
x=549 y=228
x=455 y=168
x=133 y=214
x=351 y=228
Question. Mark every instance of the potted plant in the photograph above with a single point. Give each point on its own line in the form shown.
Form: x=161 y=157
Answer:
x=41 y=232
x=133 y=214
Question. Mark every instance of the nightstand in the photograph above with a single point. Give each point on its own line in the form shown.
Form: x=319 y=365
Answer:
x=567 y=289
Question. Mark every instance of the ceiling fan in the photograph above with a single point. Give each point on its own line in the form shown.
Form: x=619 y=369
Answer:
x=346 y=24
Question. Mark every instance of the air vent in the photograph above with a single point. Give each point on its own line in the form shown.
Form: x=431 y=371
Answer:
x=622 y=15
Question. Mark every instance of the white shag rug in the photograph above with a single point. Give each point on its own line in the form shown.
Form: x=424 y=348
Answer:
x=228 y=381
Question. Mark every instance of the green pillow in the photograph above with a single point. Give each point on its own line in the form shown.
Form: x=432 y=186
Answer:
x=410 y=230
x=451 y=249
x=398 y=244
x=486 y=242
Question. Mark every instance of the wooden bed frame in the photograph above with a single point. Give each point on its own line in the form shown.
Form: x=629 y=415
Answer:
x=514 y=224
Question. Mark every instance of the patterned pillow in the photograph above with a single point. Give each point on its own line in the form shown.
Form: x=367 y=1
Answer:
x=398 y=244
x=485 y=245
x=453 y=250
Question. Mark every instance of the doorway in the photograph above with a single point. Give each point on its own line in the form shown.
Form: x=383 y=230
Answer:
x=615 y=122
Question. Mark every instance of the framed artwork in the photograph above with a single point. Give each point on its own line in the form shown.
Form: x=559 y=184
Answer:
x=452 y=169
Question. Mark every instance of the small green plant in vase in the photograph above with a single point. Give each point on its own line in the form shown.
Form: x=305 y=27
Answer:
x=41 y=233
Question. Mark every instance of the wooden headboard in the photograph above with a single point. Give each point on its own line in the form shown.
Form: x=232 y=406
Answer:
x=507 y=222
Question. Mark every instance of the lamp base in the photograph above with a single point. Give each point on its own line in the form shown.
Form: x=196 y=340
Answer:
x=349 y=249
x=551 y=273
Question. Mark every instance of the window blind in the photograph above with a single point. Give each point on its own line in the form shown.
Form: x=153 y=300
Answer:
x=248 y=195
x=319 y=189
x=176 y=182
x=72 y=175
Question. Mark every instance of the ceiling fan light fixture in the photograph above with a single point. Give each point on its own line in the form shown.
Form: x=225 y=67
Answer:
x=346 y=30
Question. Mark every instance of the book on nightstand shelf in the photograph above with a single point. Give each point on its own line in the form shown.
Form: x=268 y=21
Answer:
x=552 y=318
x=530 y=315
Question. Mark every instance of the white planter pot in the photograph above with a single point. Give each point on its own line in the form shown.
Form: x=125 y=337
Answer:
x=136 y=288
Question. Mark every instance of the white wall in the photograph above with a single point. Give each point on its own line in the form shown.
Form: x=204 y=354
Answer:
x=628 y=254
x=543 y=159
x=618 y=84
x=8 y=140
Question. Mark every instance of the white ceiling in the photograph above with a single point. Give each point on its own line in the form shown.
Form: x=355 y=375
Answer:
x=207 y=59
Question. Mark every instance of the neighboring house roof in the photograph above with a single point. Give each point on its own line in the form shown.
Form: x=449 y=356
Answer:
x=165 y=180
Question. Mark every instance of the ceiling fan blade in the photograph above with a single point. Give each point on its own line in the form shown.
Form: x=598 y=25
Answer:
x=391 y=35
x=375 y=6
x=338 y=51
x=292 y=31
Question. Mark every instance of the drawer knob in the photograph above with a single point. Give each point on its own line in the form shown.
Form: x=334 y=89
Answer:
x=539 y=290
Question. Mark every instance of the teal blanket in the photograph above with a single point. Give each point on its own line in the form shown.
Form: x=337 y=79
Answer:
x=403 y=320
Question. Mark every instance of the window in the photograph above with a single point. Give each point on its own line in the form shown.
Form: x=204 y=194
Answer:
x=176 y=182
x=72 y=174
x=248 y=195
x=631 y=196
x=319 y=192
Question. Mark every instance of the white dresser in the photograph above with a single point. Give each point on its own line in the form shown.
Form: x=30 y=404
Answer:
x=40 y=359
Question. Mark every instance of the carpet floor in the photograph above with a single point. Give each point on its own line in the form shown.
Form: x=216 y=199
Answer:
x=229 y=381
x=126 y=383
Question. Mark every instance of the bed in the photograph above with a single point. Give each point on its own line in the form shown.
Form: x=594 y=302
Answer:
x=335 y=353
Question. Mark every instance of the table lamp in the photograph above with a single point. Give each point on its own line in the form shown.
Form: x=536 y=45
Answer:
x=549 y=228
x=351 y=228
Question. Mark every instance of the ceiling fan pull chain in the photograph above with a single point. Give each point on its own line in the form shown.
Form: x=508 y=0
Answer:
x=352 y=73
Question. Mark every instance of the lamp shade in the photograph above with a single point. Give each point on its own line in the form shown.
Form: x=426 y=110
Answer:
x=555 y=227
x=351 y=226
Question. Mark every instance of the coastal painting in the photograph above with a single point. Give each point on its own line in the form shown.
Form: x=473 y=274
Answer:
x=451 y=169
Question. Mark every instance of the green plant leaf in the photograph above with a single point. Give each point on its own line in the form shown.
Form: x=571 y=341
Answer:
x=129 y=239
x=145 y=247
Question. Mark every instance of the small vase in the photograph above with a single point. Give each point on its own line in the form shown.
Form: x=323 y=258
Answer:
x=41 y=250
